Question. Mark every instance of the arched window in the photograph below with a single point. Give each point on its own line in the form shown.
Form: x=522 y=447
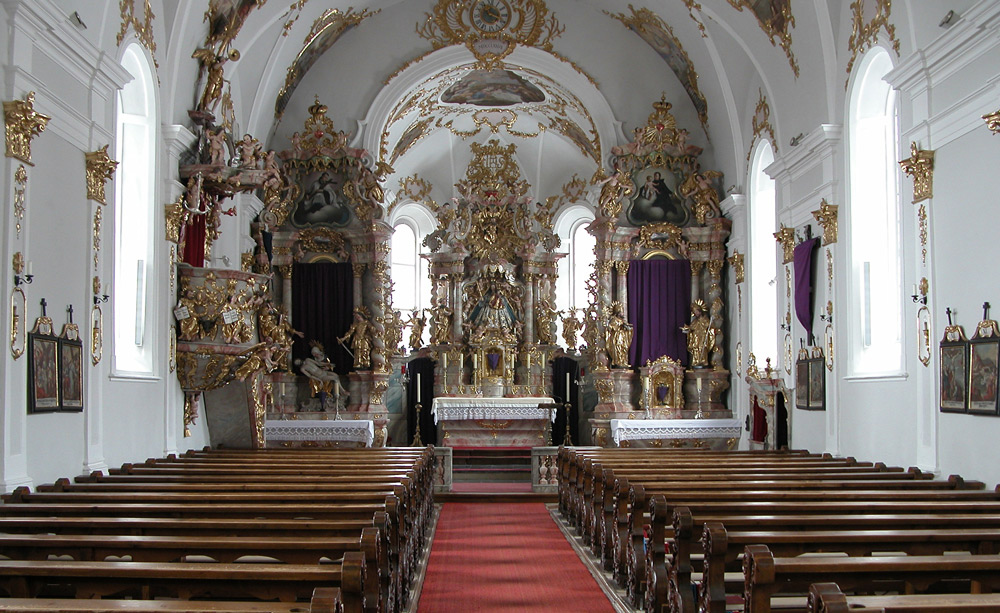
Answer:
x=763 y=258
x=136 y=124
x=575 y=268
x=411 y=288
x=875 y=286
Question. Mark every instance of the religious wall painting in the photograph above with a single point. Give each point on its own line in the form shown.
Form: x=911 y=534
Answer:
x=417 y=131
x=572 y=131
x=655 y=198
x=810 y=380
x=225 y=19
x=323 y=201
x=802 y=384
x=492 y=88
x=984 y=355
x=43 y=372
x=70 y=374
x=954 y=376
x=817 y=384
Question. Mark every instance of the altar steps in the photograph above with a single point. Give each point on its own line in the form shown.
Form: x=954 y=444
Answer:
x=491 y=464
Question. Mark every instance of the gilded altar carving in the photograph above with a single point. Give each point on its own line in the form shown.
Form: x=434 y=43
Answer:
x=324 y=240
x=22 y=123
x=605 y=390
x=176 y=216
x=100 y=167
x=826 y=215
x=671 y=236
x=715 y=268
x=490 y=31
x=701 y=189
x=618 y=336
x=993 y=121
x=737 y=262
x=700 y=335
x=786 y=238
x=20 y=200
x=776 y=23
x=920 y=167
x=864 y=33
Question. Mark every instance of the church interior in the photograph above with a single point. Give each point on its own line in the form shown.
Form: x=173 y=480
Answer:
x=443 y=228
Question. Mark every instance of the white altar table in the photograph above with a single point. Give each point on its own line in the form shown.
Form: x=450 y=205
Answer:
x=711 y=432
x=471 y=421
x=319 y=432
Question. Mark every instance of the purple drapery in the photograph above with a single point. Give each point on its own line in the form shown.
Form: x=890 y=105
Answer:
x=803 y=282
x=322 y=309
x=659 y=298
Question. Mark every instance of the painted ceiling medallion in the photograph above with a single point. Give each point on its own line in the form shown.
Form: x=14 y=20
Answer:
x=775 y=18
x=492 y=88
x=491 y=29
x=661 y=38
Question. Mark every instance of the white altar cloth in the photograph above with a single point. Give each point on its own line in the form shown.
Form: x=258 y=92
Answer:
x=647 y=429
x=344 y=430
x=469 y=407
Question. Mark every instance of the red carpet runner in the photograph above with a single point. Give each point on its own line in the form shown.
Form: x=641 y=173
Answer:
x=492 y=557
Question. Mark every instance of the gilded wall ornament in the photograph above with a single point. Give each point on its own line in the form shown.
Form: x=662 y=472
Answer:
x=660 y=36
x=18 y=310
x=100 y=167
x=670 y=235
x=98 y=218
x=416 y=189
x=993 y=121
x=692 y=7
x=143 y=27
x=786 y=238
x=776 y=20
x=490 y=29
x=761 y=124
x=96 y=334
x=325 y=31
x=323 y=240
x=22 y=123
x=736 y=261
x=827 y=218
x=920 y=167
x=290 y=20
x=922 y=219
x=175 y=216
x=868 y=17
x=20 y=200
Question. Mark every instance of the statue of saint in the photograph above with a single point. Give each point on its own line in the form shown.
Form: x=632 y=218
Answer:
x=441 y=333
x=393 y=323
x=701 y=335
x=545 y=316
x=417 y=323
x=319 y=370
x=571 y=327
x=360 y=334
x=619 y=337
x=273 y=327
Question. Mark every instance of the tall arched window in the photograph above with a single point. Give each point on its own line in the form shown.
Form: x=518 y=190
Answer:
x=875 y=286
x=575 y=268
x=411 y=288
x=763 y=258
x=134 y=198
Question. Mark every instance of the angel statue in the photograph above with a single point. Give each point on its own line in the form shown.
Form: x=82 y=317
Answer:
x=701 y=335
x=545 y=321
x=571 y=327
x=213 y=64
x=417 y=323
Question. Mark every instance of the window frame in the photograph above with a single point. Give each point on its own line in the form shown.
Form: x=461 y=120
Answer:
x=756 y=170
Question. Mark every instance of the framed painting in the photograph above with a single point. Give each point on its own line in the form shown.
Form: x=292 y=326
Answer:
x=43 y=372
x=656 y=199
x=70 y=375
x=802 y=383
x=984 y=355
x=817 y=384
x=954 y=376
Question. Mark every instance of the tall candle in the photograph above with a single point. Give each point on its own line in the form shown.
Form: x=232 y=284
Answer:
x=567 y=387
x=697 y=383
x=418 y=387
x=475 y=361
x=445 y=354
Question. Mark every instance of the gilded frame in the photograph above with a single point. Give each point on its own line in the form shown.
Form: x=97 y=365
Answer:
x=954 y=376
x=43 y=373
x=983 y=380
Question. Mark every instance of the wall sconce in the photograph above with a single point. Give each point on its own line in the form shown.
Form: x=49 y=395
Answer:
x=921 y=296
x=20 y=277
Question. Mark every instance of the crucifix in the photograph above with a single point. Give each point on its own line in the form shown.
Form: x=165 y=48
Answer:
x=69 y=309
x=986 y=311
x=948 y=312
x=44 y=304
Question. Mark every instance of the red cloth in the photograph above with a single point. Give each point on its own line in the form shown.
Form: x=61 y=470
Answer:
x=194 y=242
x=759 y=430
x=503 y=557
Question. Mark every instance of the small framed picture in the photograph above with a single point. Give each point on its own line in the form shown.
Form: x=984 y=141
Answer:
x=43 y=372
x=802 y=383
x=817 y=384
x=70 y=375
x=984 y=355
x=954 y=376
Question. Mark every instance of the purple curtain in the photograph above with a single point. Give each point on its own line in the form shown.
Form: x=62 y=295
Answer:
x=322 y=309
x=659 y=300
x=803 y=282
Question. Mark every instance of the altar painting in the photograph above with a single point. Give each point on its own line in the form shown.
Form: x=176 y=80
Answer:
x=656 y=199
x=323 y=201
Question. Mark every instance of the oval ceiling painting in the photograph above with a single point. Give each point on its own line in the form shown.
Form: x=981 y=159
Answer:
x=492 y=88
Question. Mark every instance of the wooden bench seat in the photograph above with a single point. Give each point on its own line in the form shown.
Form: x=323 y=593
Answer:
x=828 y=598
x=324 y=600
x=767 y=575
x=284 y=582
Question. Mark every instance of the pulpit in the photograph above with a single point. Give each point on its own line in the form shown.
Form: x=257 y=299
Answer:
x=493 y=422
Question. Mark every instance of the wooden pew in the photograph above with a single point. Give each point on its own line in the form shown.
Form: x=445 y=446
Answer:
x=827 y=598
x=324 y=600
x=146 y=580
x=767 y=576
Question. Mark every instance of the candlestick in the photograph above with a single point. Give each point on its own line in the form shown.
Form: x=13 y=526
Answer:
x=645 y=391
x=445 y=360
x=418 y=387
x=475 y=361
x=698 y=385
x=567 y=387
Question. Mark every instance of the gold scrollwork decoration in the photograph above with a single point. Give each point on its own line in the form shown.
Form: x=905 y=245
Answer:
x=20 y=200
x=322 y=240
x=776 y=23
x=18 y=334
x=96 y=334
x=737 y=262
x=993 y=121
x=22 y=123
x=98 y=217
x=761 y=123
x=826 y=215
x=920 y=166
x=864 y=33
x=671 y=236
x=786 y=238
x=100 y=167
x=175 y=216
x=143 y=28
x=924 y=335
x=922 y=219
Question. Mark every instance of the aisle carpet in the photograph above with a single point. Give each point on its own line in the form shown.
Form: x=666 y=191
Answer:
x=492 y=557
x=505 y=487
